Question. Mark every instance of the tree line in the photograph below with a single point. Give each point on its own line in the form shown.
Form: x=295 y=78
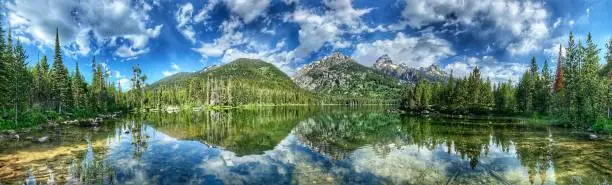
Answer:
x=44 y=92
x=579 y=94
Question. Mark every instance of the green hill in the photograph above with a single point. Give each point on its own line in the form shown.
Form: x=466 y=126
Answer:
x=241 y=82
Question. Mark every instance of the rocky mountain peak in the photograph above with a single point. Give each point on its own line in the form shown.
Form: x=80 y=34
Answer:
x=383 y=60
x=336 y=57
x=409 y=74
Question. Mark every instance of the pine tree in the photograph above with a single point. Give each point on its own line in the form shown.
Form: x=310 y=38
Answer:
x=3 y=70
x=20 y=82
x=138 y=83
x=592 y=85
x=60 y=79
x=78 y=88
x=559 y=78
x=42 y=83
x=544 y=90
x=607 y=69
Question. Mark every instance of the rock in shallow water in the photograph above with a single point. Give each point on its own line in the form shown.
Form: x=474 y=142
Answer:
x=593 y=137
x=43 y=139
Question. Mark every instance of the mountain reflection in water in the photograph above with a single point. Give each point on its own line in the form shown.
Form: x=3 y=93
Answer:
x=306 y=145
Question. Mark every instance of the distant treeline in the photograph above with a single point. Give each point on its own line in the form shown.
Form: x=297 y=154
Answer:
x=580 y=94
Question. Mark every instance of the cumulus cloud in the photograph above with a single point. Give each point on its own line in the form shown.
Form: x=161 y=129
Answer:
x=416 y=52
x=82 y=23
x=230 y=37
x=318 y=29
x=183 y=17
x=126 y=84
x=274 y=55
x=489 y=68
x=248 y=10
x=186 y=19
x=524 y=21
x=174 y=68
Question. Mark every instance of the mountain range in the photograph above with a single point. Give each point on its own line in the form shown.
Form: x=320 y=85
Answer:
x=408 y=74
x=336 y=75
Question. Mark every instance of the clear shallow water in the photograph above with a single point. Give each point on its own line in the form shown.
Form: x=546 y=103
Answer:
x=330 y=145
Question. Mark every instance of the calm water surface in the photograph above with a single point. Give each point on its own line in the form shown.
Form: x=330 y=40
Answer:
x=305 y=146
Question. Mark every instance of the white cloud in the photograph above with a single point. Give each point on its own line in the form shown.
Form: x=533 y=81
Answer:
x=274 y=55
x=80 y=22
x=183 y=19
x=557 y=23
x=489 y=68
x=317 y=30
x=520 y=25
x=413 y=51
x=118 y=74
x=248 y=10
x=174 y=68
x=126 y=84
x=231 y=37
x=129 y=52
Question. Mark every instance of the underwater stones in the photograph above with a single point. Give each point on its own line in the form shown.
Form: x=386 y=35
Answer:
x=43 y=139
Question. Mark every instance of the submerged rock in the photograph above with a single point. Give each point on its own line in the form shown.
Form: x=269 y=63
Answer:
x=43 y=139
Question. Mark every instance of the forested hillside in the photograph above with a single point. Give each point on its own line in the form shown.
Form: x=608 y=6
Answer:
x=241 y=82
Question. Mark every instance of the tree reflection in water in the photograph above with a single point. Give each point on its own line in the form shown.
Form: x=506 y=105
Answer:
x=310 y=145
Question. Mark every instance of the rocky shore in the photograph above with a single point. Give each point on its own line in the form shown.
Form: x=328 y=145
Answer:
x=25 y=133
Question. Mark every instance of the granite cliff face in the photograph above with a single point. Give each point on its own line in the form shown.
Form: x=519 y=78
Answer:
x=410 y=75
x=340 y=75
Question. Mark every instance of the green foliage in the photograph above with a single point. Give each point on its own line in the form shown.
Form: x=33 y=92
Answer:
x=471 y=95
x=583 y=99
x=29 y=97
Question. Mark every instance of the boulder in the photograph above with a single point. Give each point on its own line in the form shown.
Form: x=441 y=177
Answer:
x=15 y=136
x=43 y=139
x=593 y=137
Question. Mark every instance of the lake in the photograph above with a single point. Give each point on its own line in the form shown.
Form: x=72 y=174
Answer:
x=305 y=145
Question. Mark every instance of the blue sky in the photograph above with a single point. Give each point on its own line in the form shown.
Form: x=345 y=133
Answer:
x=166 y=36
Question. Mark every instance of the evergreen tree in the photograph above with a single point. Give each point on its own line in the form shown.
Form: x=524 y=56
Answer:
x=544 y=90
x=60 y=79
x=20 y=82
x=559 y=78
x=42 y=82
x=3 y=70
x=79 y=88
x=138 y=83
x=592 y=85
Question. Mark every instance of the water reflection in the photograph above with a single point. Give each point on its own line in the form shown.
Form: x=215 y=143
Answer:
x=307 y=146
